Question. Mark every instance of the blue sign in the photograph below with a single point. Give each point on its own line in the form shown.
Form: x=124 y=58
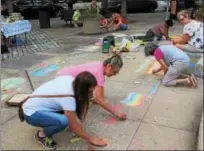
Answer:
x=15 y=28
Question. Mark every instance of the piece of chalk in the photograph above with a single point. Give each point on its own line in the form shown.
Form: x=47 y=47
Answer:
x=74 y=139
x=137 y=82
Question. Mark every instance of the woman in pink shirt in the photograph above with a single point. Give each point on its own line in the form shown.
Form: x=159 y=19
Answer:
x=110 y=67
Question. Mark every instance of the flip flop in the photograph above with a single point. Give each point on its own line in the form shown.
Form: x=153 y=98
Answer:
x=99 y=145
x=192 y=84
x=195 y=79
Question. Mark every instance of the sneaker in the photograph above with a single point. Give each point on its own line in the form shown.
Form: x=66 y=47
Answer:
x=45 y=141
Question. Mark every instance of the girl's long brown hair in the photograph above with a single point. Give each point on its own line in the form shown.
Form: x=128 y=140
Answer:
x=81 y=85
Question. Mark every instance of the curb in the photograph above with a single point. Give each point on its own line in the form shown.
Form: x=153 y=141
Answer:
x=200 y=135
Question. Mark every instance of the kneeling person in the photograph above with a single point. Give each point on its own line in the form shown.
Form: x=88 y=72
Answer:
x=173 y=62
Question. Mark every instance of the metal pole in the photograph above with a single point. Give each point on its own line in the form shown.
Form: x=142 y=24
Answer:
x=124 y=8
x=167 y=9
x=10 y=6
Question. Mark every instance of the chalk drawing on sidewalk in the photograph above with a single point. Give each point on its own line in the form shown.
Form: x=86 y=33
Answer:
x=145 y=65
x=44 y=70
x=154 y=89
x=110 y=121
x=10 y=86
x=155 y=65
x=118 y=108
x=139 y=143
x=134 y=99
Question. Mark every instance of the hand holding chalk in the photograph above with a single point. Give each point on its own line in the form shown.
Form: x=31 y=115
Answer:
x=154 y=71
x=122 y=116
x=99 y=141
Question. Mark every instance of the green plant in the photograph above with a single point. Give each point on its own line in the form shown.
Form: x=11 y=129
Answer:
x=88 y=14
x=199 y=13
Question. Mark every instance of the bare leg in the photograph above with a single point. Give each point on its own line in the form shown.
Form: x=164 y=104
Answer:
x=75 y=24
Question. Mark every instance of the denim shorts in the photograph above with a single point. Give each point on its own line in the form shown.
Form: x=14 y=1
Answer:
x=123 y=26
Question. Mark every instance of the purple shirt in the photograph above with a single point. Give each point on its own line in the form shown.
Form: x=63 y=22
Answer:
x=157 y=29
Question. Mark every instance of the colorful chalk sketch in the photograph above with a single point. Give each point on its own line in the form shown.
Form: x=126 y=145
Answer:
x=10 y=86
x=143 y=67
x=154 y=89
x=41 y=71
x=134 y=99
x=112 y=120
x=155 y=65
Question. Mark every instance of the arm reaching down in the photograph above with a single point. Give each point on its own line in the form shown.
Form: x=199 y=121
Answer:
x=165 y=32
x=164 y=67
x=78 y=130
x=100 y=100
x=182 y=40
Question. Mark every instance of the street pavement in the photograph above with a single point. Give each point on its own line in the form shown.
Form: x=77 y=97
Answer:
x=163 y=118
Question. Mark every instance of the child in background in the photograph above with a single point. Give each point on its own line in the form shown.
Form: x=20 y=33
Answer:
x=117 y=23
x=173 y=62
x=76 y=17
x=158 y=31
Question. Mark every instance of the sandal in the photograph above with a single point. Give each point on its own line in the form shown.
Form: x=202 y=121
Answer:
x=194 y=79
x=191 y=82
x=99 y=145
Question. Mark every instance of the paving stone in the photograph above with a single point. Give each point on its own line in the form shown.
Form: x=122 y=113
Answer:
x=7 y=114
x=186 y=108
x=97 y=127
x=154 y=137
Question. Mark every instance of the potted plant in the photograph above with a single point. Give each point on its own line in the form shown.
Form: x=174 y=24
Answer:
x=91 y=22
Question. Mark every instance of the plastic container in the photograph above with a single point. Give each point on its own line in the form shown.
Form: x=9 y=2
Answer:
x=106 y=46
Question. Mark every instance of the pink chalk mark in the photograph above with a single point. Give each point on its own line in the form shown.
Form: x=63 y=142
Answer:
x=139 y=143
x=42 y=64
x=118 y=107
x=110 y=121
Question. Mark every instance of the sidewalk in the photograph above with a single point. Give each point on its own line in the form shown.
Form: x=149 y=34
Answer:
x=167 y=120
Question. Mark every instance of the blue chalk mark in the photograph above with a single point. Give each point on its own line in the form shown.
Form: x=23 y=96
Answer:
x=44 y=71
x=130 y=96
x=154 y=88
x=142 y=67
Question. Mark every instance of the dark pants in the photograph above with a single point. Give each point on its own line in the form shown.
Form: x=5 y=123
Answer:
x=150 y=36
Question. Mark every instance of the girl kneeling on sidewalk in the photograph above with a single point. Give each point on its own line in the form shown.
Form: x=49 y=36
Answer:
x=173 y=62
x=44 y=112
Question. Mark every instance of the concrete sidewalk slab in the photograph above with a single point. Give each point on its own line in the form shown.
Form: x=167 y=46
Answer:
x=21 y=135
x=17 y=135
x=185 y=107
x=200 y=135
x=186 y=89
x=97 y=127
x=7 y=114
x=154 y=137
